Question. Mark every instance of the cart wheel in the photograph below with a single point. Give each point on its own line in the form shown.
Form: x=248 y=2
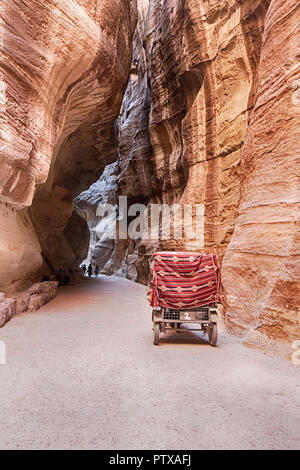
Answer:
x=155 y=333
x=213 y=334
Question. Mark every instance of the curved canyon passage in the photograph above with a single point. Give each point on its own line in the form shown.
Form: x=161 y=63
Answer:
x=85 y=365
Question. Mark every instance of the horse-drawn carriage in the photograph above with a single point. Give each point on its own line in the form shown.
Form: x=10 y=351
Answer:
x=185 y=289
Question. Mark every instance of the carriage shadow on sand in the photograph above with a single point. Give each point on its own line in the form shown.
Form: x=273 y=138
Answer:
x=184 y=337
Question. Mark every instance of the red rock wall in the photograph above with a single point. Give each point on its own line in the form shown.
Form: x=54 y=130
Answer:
x=63 y=73
x=261 y=269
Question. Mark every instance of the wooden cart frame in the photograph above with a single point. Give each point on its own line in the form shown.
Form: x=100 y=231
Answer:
x=167 y=319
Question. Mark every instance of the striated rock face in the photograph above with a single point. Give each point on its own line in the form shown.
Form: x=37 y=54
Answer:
x=261 y=269
x=63 y=72
x=210 y=117
x=203 y=70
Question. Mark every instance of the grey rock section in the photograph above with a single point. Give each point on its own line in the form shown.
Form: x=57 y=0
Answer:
x=86 y=204
x=130 y=176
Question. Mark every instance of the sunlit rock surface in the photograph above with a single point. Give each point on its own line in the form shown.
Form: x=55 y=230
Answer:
x=261 y=269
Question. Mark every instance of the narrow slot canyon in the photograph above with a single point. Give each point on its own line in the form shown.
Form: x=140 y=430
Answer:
x=192 y=105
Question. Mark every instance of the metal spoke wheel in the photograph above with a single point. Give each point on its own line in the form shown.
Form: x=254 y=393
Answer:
x=213 y=334
x=155 y=334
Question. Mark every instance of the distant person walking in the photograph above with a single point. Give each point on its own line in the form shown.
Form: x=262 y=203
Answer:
x=90 y=270
x=83 y=267
x=97 y=270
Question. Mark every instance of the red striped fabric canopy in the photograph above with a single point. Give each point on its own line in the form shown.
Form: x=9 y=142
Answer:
x=185 y=280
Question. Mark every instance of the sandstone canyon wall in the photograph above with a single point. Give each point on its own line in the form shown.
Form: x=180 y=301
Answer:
x=64 y=69
x=210 y=117
x=261 y=269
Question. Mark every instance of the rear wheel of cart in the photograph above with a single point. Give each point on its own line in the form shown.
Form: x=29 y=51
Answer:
x=155 y=334
x=213 y=334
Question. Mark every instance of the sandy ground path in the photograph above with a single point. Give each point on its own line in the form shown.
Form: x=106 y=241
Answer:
x=82 y=373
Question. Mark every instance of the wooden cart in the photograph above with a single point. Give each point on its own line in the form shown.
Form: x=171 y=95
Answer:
x=184 y=293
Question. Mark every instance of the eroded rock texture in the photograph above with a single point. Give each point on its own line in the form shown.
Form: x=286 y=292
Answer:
x=64 y=68
x=210 y=117
x=261 y=269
